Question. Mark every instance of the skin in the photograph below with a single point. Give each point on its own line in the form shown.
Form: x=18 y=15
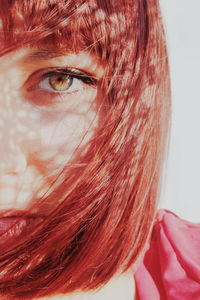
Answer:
x=40 y=127
x=39 y=131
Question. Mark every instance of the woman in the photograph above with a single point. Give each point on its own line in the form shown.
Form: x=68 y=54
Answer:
x=85 y=114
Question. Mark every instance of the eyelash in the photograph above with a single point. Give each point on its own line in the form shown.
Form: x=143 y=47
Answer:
x=72 y=73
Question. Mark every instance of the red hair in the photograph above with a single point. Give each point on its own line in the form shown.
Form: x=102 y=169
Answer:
x=100 y=216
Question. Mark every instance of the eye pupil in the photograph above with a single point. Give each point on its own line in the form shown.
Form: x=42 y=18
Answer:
x=60 y=82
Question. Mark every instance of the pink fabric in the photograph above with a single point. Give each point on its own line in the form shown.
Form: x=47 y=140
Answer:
x=170 y=269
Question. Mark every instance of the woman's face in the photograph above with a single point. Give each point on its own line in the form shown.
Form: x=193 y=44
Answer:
x=47 y=102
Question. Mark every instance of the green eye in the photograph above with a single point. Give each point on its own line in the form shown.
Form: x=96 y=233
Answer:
x=60 y=82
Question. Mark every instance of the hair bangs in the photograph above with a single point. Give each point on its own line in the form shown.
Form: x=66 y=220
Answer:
x=64 y=25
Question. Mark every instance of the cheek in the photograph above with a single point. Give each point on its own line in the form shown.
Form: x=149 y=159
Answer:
x=45 y=136
x=60 y=138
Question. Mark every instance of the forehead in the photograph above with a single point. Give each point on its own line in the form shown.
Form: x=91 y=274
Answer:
x=70 y=25
x=65 y=26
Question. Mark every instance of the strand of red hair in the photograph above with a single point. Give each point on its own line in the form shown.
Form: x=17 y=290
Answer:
x=110 y=189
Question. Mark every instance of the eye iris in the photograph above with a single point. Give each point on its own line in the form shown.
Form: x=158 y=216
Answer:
x=60 y=82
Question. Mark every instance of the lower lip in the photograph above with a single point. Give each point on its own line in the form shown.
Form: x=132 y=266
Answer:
x=12 y=227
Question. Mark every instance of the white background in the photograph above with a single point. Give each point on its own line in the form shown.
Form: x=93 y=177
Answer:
x=181 y=191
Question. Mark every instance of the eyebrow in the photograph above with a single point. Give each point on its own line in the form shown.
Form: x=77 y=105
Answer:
x=44 y=54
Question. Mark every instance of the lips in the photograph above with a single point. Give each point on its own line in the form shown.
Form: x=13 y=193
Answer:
x=12 y=227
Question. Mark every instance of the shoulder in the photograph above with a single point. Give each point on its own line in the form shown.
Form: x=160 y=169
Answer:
x=171 y=265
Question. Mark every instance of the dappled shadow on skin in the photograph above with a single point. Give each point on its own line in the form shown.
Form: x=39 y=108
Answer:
x=99 y=202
